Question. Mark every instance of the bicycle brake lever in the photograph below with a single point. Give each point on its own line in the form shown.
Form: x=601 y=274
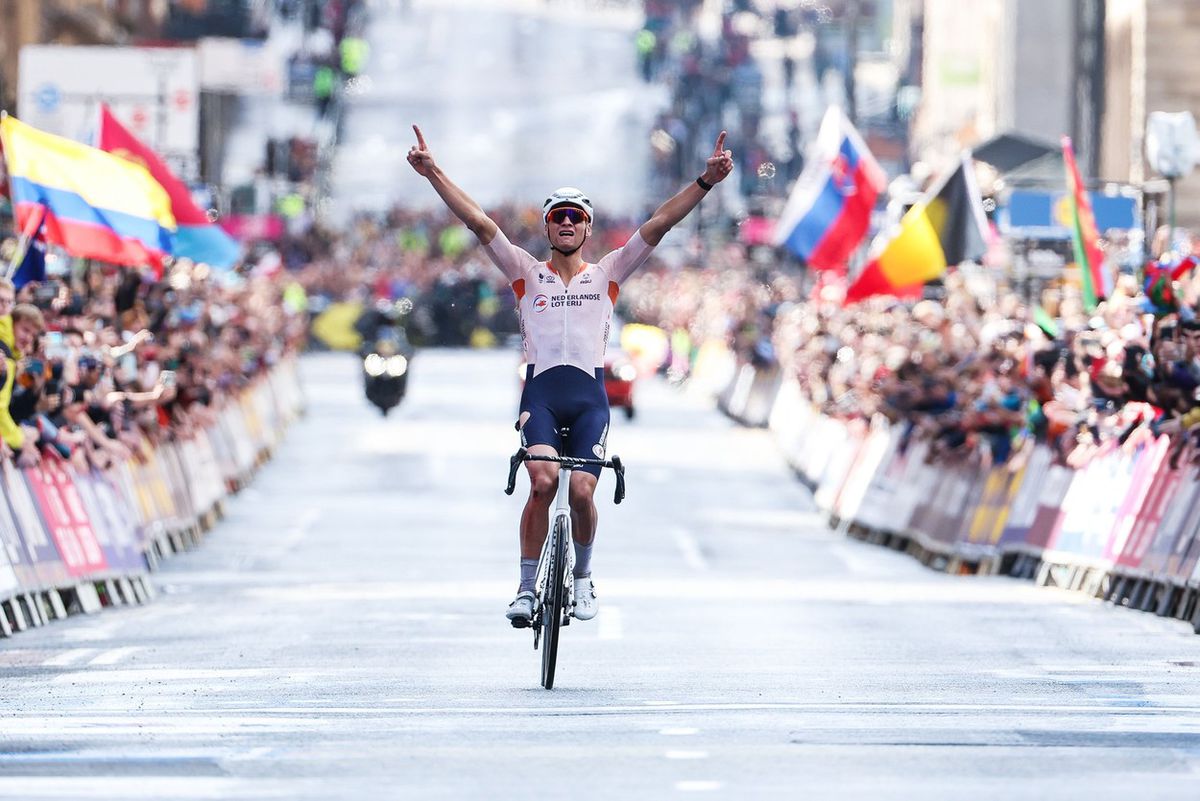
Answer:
x=619 y=469
x=513 y=462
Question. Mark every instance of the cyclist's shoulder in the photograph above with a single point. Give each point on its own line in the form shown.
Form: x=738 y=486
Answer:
x=627 y=257
x=509 y=256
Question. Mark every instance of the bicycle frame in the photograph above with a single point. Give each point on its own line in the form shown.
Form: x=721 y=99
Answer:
x=561 y=510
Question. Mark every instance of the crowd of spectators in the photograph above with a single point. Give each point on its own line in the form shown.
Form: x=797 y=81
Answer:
x=977 y=369
x=101 y=361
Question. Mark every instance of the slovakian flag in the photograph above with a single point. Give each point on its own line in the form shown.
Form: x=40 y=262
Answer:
x=1084 y=235
x=196 y=238
x=88 y=202
x=947 y=226
x=828 y=212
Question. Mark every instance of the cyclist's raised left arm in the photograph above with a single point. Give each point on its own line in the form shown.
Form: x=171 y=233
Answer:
x=463 y=205
x=719 y=165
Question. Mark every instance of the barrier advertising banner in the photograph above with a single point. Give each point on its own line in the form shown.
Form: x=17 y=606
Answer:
x=1049 y=515
x=1090 y=508
x=885 y=490
x=64 y=516
x=47 y=562
x=20 y=561
x=1024 y=506
x=1000 y=487
x=1181 y=562
x=875 y=448
x=115 y=527
x=1141 y=517
x=1146 y=461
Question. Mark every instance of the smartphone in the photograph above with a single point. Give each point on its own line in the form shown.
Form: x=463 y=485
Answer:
x=45 y=293
x=52 y=344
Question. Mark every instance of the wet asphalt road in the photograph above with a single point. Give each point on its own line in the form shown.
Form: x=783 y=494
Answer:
x=341 y=635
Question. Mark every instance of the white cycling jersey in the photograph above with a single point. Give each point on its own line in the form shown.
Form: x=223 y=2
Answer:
x=566 y=324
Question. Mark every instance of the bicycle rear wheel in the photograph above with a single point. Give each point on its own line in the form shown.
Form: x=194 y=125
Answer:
x=554 y=599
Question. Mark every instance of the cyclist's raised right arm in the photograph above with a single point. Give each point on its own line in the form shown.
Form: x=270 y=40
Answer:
x=458 y=201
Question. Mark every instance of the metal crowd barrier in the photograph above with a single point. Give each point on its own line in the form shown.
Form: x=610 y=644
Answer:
x=74 y=542
x=1124 y=527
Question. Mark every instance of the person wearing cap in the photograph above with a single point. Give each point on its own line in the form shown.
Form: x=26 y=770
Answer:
x=565 y=306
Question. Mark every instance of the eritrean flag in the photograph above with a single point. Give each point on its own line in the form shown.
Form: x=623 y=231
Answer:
x=88 y=202
x=946 y=227
x=196 y=238
x=1084 y=235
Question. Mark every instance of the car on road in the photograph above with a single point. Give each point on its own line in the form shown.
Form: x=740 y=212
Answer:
x=620 y=375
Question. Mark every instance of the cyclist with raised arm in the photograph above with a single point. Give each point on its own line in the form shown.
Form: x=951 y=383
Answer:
x=566 y=307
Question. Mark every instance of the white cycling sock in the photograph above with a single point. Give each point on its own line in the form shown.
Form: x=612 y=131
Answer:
x=528 y=575
x=583 y=560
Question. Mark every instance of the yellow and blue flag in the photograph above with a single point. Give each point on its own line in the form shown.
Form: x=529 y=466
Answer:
x=93 y=204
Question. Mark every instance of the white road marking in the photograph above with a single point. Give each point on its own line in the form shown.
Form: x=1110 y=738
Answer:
x=611 y=625
x=68 y=657
x=298 y=530
x=678 y=731
x=690 y=549
x=939 y=589
x=697 y=786
x=94 y=632
x=165 y=674
x=686 y=755
x=148 y=787
x=115 y=655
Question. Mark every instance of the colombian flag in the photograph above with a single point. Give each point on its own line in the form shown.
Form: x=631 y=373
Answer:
x=196 y=238
x=91 y=203
x=946 y=227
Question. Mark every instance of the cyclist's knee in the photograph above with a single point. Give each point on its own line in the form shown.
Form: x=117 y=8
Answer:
x=583 y=488
x=542 y=487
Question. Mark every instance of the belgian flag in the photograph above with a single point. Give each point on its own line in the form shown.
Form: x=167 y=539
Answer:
x=946 y=227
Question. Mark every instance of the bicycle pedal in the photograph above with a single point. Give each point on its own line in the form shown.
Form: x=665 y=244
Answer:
x=519 y=623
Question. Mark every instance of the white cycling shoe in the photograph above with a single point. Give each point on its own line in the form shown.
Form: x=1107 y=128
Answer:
x=520 y=611
x=586 y=605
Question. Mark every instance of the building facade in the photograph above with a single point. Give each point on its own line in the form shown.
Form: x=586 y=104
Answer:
x=1148 y=68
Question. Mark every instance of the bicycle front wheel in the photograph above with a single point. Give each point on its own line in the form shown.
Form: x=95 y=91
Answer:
x=554 y=600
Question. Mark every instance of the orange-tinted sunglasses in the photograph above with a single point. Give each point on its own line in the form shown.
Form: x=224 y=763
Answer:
x=563 y=213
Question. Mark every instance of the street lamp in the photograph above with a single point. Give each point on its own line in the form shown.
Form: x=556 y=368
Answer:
x=1171 y=149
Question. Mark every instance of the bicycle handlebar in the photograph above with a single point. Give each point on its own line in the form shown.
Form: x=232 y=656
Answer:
x=523 y=455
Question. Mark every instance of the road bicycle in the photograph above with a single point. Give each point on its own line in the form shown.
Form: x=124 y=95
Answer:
x=554 y=606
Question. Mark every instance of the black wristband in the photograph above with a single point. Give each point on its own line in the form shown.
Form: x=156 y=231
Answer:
x=700 y=182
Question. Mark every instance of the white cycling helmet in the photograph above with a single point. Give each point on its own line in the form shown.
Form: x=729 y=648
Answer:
x=568 y=196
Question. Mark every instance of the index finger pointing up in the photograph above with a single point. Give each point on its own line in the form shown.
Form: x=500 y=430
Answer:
x=719 y=149
x=420 y=139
